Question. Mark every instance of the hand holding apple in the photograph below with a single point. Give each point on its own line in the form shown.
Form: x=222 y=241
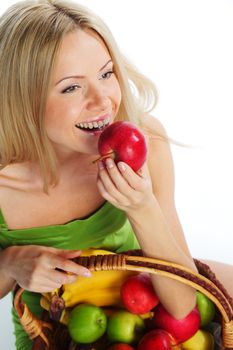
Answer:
x=119 y=180
x=123 y=141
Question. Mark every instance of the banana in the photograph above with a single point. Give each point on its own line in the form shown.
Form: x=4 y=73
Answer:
x=101 y=289
x=100 y=280
x=99 y=297
x=89 y=252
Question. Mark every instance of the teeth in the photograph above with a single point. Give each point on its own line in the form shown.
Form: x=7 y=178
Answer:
x=93 y=125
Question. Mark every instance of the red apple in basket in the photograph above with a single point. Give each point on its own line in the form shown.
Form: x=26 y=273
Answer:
x=138 y=295
x=157 y=339
x=181 y=329
x=123 y=141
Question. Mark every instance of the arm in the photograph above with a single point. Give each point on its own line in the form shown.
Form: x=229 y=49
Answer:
x=7 y=283
x=166 y=241
x=148 y=200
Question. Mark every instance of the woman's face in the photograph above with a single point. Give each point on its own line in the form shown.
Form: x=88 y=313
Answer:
x=85 y=94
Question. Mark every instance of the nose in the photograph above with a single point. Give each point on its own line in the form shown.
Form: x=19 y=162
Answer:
x=97 y=98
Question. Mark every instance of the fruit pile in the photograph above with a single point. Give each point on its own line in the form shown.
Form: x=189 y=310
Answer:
x=119 y=310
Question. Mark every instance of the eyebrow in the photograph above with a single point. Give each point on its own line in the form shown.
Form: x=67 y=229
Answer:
x=81 y=76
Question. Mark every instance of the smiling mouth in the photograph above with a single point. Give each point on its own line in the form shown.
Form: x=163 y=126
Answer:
x=93 y=126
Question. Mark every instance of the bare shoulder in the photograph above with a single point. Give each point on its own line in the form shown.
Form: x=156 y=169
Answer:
x=12 y=175
x=158 y=140
x=12 y=178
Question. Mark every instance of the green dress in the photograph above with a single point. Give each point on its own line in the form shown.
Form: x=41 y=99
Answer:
x=107 y=228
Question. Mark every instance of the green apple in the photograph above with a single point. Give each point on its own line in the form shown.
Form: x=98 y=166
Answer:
x=87 y=323
x=206 y=309
x=125 y=327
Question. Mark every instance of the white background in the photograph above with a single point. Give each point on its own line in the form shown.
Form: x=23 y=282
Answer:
x=185 y=46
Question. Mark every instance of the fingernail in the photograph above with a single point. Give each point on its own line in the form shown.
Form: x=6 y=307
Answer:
x=121 y=166
x=87 y=273
x=101 y=165
x=109 y=163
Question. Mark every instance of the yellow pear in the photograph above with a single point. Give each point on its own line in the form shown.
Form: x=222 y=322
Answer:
x=201 y=340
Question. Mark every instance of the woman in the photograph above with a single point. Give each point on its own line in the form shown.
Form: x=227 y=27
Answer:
x=64 y=81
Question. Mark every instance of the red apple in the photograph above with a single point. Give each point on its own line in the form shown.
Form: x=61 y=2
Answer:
x=123 y=141
x=121 y=346
x=182 y=329
x=157 y=339
x=138 y=295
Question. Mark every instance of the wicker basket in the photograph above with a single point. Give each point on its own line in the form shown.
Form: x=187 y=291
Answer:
x=50 y=335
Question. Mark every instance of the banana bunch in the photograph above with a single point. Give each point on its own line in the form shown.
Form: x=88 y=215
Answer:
x=101 y=289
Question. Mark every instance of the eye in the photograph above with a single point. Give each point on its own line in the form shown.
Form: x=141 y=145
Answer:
x=71 y=88
x=107 y=75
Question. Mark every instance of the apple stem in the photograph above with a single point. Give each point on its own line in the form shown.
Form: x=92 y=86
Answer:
x=148 y=315
x=104 y=157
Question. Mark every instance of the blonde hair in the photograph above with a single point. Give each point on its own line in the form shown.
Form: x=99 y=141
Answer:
x=30 y=36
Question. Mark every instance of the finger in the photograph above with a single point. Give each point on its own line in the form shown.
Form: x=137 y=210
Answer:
x=136 y=181
x=50 y=285
x=113 y=196
x=70 y=266
x=49 y=280
x=120 y=182
x=61 y=278
x=104 y=193
x=143 y=171
x=107 y=180
x=47 y=286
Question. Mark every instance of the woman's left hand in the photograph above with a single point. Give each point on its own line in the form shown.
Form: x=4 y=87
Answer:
x=124 y=188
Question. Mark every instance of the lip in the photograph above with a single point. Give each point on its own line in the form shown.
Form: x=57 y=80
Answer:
x=95 y=133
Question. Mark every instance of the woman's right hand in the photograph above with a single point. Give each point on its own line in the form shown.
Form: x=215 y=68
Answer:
x=41 y=269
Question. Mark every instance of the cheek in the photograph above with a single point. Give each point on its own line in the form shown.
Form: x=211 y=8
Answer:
x=61 y=112
x=116 y=92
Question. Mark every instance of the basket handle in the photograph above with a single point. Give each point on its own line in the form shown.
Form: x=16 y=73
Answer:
x=204 y=281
